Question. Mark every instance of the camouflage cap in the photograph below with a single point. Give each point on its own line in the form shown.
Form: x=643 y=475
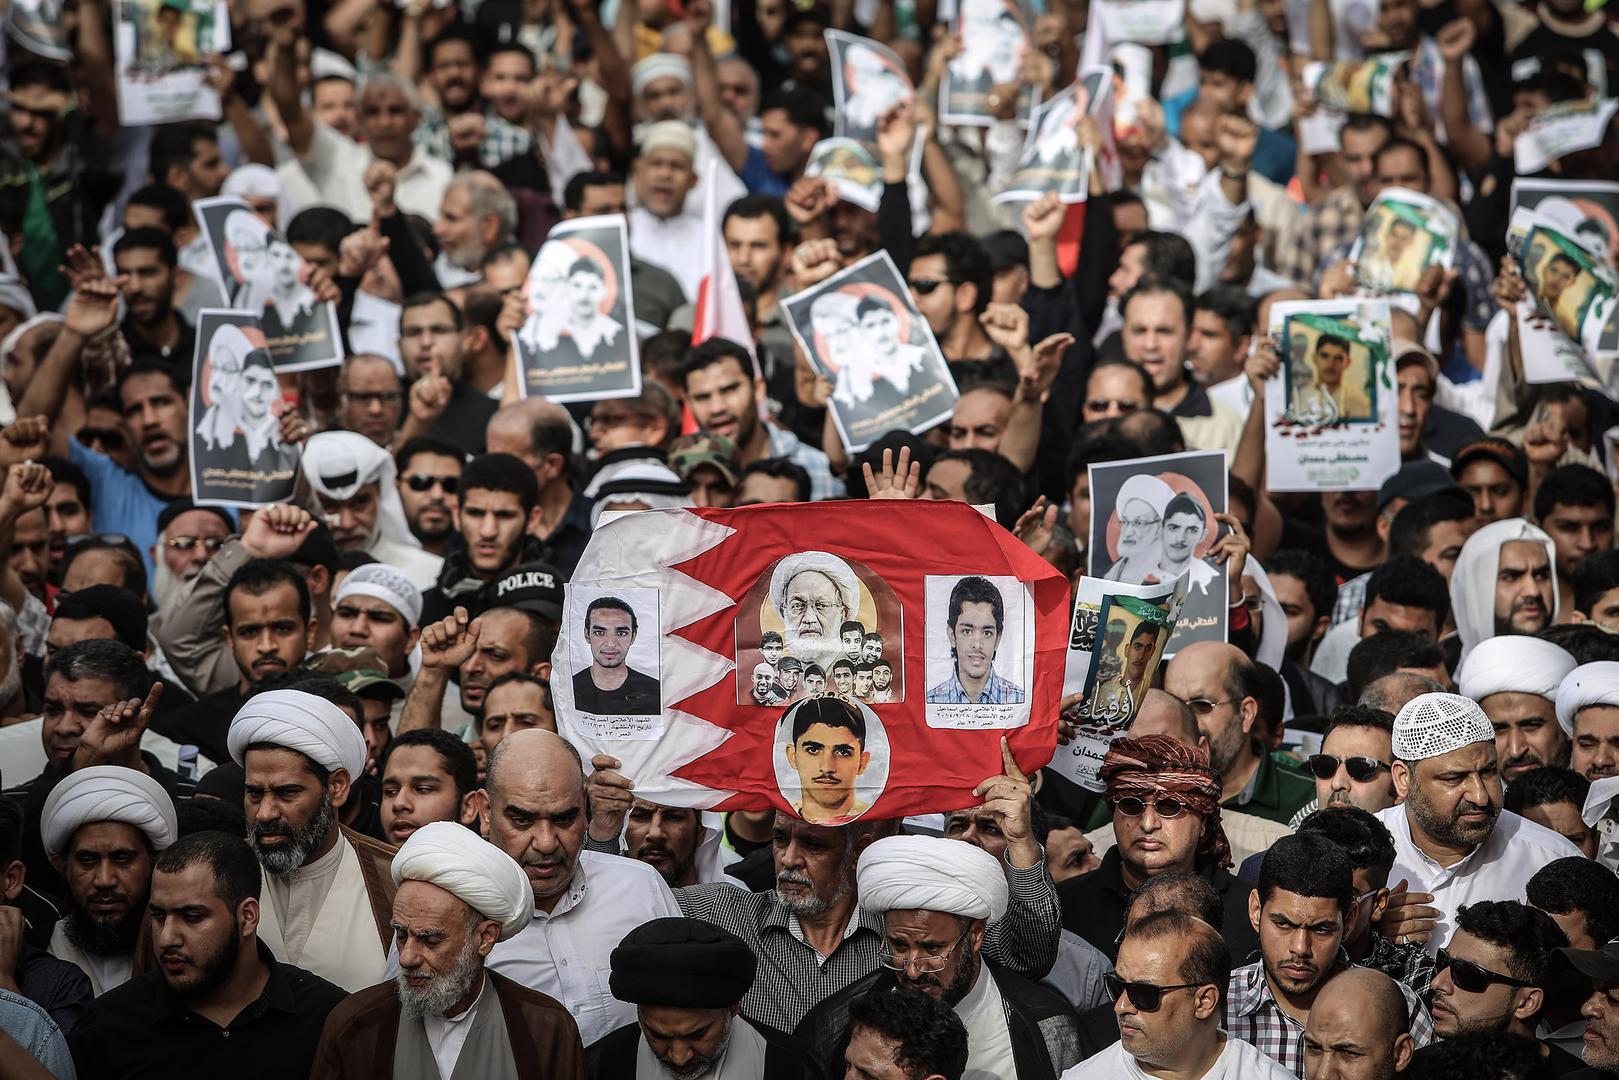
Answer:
x=360 y=671
x=690 y=451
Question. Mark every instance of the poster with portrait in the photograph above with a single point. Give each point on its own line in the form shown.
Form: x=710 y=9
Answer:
x=578 y=342
x=860 y=329
x=1144 y=22
x=1562 y=129
x=852 y=168
x=38 y=26
x=159 y=46
x=780 y=623
x=868 y=79
x=1053 y=158
x=816 y=624
x=612 y=637
x=259 y=271
x=1153 y=520
x=994 y=36
x=1588 y=212
x=1405 y=233
x=1332 y=410
x=1571 y=296
x=1356 y=85
x=1117 y=640
x=237 y=457
x=978 y=673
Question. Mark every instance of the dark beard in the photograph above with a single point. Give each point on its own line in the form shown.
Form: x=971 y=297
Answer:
x=960 y=985
x=212 y=971
x=105 y=938
x=285 y=858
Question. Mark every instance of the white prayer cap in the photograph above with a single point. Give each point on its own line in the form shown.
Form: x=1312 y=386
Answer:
x=476 y=872
x=674 y=135
x=1434 y=724
x=660 y=65
x=1513 y=664
x=107 y=793
x=1596 y=683
x=338 y=464
x=382 y=582
x=838 y=572
x=325 y=64
x=930 y=873
x=1149 y=489
x=1472 y=582
x=311 y=725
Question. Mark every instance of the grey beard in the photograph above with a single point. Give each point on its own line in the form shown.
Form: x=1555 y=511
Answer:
x=441 y=991
x=700 y=1066
x=286 y=858
x=814 y=904
x=168 y=587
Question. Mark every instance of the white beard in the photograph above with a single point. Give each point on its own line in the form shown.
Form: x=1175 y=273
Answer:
x=822 y=649
x=168 y=587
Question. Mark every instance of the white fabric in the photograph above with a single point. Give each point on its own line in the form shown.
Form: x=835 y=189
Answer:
x=641 y=470
x=374 y=328
x=828 y=565
x=1598 y=814
x=659 y=65
x=1498 y=869
x=931 y=873
x=319 y=917
x=104 y=972
x=348 y=456
x=303 y=722
x=446 y=1035
x=333 y=172
x=1472 y=582
x=15 y=295
x=1273 y=635
x=382 y=582
x=22 y=753
x=261 y=182
x=1430 y=725
x=421 y=567
x=1587 y=685
x=1514 y=664
x=744 y=1057
x=989 y=1043
x=668 y=135
x=1331 y=659
x=9 y=342
x=1240 y=1060
x=473 y=870
x=671 y=243
x=107 y=793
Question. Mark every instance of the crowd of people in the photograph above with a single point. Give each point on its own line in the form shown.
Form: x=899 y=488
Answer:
x=286 y=792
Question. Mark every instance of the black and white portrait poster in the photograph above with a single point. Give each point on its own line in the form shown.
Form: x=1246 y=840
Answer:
x=977 y=669
x=1587 y=211
x=237 y=456
x=160 y=45
x=613 y=667
x=1152 y=520
x=1054 y=158
x=578 y=342
x=868 y=79
x=994 y=36
x=860 y=329
x=38 y=26
x=261 y=272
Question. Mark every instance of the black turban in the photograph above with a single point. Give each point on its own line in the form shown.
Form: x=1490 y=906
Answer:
x=682 y=962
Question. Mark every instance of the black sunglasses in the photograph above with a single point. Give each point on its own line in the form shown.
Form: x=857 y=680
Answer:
x=1163 y=806
x=1361 y=769
x=1144 y=996
x=1469 y=976
x=111 y=438
x=425 y=482
x=924 y=286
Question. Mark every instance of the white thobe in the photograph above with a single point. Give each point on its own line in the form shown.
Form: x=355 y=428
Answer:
x=989 y=1044
x=105 y=972
x=448 y=1034
x=319 y=918
x=333 y=172
x=672 y=244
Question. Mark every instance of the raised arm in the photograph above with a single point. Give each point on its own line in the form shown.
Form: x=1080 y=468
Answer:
x=723 y=126
x=285 y=27
x=446 y=645
x=93 y=308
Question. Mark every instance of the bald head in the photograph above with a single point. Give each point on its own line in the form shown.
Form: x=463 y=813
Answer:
x=1162 y=713
x=1359 y=1015
x=537 y=431
x=1392 y=692
x=536 y=809
x=535 y=755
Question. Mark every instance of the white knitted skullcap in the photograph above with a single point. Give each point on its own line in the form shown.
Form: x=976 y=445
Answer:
x=1434 y=724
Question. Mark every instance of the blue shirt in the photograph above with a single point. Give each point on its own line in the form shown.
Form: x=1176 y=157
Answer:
x=120 y=502
x=996 y=691
x=36 y=1033
x=759 y=178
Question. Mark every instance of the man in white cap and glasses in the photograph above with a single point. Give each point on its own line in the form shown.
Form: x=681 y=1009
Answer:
x=936 y=897
x=327 y=897
x=352 y=488
x=1515 y=679
x=379 y=607
x=446 y=1015
x=1505 y=582
x=102 y=827
x=1453 y=843
x=1588 y=714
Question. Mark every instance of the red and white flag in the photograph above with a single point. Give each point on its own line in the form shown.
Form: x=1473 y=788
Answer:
x=719 y=303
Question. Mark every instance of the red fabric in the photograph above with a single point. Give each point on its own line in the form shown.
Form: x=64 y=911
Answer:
x=1073 y=227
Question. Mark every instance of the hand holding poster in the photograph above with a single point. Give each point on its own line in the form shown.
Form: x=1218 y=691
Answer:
x=578 y=342
x=731 y=619
x=160 y=49
x=1405 y=233
x=1057 y=155
x=860 y=328
x=868 y=79
x=852 y=168
x=1560 y=130
x=261 y=273
x=1570 y=284
x=237 y=456
x=1349 y=86
x=1588 y=212
x=1332 y=409
x=1145 y=22
x=994 y=36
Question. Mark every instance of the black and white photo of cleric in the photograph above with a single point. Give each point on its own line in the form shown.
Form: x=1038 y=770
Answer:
x=260 y=821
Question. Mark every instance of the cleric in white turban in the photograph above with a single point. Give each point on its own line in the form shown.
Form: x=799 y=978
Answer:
x=446 y=1014
x=1588 y=710
x=1514 y=679
x=107 y=793
x=300 y=721
x=1504 y=583
x=929 y=873
x=815 y=593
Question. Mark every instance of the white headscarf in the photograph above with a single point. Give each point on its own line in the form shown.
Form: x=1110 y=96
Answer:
x=1514 y=664
x=1596 y=683
x=473 y=870
x=930 y=873
x=338 y=464
x=638 y=480
x=311 y=725
x=1472 y=582
x=261 y=182
x=107 y=793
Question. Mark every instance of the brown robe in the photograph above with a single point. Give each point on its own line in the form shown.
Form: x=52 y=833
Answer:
x=361 y=1033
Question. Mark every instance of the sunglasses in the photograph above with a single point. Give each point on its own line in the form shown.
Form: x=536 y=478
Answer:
x=1104 y=404
x=1361 y=769
x=1471 y=978
x=210 y=544
x=381 y=397
x=1144 y=996
x=1164 y=807
x=111 y=438
x=925 y=286
x=425 y=482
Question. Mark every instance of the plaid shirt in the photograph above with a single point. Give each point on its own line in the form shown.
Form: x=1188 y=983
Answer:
x=1335 y=220
x=1251 y=1014
x=793 y=978
x=1410 y=965
x=996 y=691
x=502 y=139
x=823 y=485
x=1477 y=277
x=1351 y=594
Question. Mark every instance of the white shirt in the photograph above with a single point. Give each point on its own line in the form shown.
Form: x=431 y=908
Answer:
x=564 y=954
x=333 y=172
x=1238 y=1061
x=1498 y=869
x=448 y=1034
x=989 y=1044
x=674 y=244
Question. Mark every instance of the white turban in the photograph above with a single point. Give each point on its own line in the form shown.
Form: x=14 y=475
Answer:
x=676 y=135
x=107 y=793
x=12 y=339
x=1432 y=725
x=1149 y=489
x=476 y=872
x=659 y=65
x=833 y=568
x=930 y=873
x=382 y=582
x=1590 y=684
x=311 y=725
x=1472 y=582
x=1513 y=664
x=338 y=464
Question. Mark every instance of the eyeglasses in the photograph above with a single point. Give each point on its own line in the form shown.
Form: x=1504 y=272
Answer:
x=1103 y=405
x=1203 y=706
x=210 y=544
x=427 y=482
x=1471 y=978
x=823 y=608
x=1164 y=806
x=1361 y=769
x=1138 y=523
x=920 y=964
x=925 y=286
x=110 y=438
x=1144 y=996
x=380 y=397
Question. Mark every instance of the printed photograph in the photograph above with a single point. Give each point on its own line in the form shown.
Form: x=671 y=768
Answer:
x=1562 y=277
x=237 y=456
x=1400 y=239
x=1329 y=373
x=994 y=36
x=852 y=166
x=868 y=79
x=613 y=652
x=831 y=758
x=579 y=342
x=975 y=640
x=1133 y=635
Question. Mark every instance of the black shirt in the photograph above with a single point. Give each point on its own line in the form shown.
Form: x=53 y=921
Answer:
x=637 y=696
x=1093 y=907
x=203 y=723
x=465 y=418
x=144 y=1029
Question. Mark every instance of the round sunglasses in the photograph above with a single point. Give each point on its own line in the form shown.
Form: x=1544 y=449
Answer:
x=1164 y=806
